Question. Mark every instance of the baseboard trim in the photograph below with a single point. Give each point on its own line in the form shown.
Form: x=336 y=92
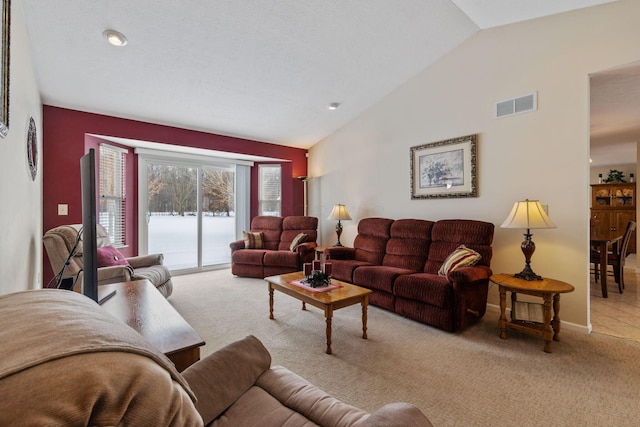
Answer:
x=586 y=329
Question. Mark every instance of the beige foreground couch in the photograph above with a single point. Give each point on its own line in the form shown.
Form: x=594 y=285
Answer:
x=65 y=361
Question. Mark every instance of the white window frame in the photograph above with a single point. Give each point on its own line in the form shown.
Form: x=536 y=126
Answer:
x=270 y=189
x=113 y=196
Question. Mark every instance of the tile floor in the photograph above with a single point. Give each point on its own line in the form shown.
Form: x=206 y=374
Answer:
x=619 y=314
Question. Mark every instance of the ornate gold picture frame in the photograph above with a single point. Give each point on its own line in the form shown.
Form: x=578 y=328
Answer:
x=444 y=169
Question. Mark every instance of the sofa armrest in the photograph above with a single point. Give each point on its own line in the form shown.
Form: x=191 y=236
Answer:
x=221 y=378
x=396 y=415
x=467 y=275
x=114 y=274
x=307 y=251
x=145 y=260
x=238 y=244
x=339 y=252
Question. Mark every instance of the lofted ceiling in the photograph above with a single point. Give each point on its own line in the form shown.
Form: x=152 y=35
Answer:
x=263 y=70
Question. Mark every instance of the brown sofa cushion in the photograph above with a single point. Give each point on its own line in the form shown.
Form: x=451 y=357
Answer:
x=379 y=277
x=281 y=259
x=447 y=235
x=408 y=244
x=303 y=397
x=371 y=241
x=222 y=377
x=293 y=225
x=271 y=228
x=427 y=288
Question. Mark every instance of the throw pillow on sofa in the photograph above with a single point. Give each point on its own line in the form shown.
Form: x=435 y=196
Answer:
x=300 y=238
x=461 y=257
x=109 y=256
x=253 y=240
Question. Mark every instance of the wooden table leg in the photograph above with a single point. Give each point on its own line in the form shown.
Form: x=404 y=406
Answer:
x=555 y=323
x=603 y=268
x=304 y=306
x=270 y=301
x=502 y=322
x=547 y=333
x=328 y=313
x=365 y=303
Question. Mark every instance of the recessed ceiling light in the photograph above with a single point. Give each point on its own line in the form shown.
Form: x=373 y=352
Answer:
x=115 y=38
x=334 y=105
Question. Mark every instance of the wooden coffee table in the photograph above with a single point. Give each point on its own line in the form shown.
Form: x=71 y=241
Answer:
x=140 y=305
x=328 y=301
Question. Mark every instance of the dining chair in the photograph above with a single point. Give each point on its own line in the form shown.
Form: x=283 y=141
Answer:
x=615 y=259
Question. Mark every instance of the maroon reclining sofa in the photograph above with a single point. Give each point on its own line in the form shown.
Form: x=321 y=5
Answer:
x=399 y=261
x=276 y=257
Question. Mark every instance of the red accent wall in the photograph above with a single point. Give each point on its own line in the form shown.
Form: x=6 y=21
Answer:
x=66 y=138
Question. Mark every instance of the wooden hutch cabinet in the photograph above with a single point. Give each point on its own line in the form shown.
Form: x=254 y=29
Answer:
x=612 y=207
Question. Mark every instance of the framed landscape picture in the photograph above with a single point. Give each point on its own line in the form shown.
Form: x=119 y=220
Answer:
x=444 y=169
x=5 y=32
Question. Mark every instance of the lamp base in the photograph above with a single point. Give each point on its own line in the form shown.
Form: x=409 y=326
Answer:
x=527 y=274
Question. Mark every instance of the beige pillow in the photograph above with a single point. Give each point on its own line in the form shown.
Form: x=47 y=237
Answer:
x=253 y=240
x=300 y=238
x=461 y=257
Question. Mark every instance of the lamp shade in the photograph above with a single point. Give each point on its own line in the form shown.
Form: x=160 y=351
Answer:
x=339 y=212
x=528 y=214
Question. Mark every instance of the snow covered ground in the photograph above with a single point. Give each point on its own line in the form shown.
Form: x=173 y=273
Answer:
x=177 y=238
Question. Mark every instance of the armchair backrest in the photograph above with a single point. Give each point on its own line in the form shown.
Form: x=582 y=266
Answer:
x=408 y=245
x=294 y=225
x=59 y=242
x=371 y=241
x=271 y=228
x=448 y=234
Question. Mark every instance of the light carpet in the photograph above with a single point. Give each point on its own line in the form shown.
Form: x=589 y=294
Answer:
x=471 y=378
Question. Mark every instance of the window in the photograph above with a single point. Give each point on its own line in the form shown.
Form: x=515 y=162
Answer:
x=269 y=184
x=112 y=193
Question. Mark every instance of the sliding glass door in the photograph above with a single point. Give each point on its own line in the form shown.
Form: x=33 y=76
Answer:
x=218 y=214
x=190 y=211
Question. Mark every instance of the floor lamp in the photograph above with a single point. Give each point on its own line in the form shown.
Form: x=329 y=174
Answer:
x=305 y=197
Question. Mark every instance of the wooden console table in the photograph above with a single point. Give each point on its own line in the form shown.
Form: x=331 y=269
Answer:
x=547 y=289
x=140 y=305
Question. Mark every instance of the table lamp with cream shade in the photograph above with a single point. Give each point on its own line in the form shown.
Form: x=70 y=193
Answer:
x=528 y=214
x=339 y=212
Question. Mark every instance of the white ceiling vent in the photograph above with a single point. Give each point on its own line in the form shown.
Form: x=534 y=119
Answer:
x=521 y=104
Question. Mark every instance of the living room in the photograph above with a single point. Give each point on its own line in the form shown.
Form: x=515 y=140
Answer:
x=365 y=164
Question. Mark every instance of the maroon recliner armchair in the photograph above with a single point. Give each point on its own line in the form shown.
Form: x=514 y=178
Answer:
x=276 y=255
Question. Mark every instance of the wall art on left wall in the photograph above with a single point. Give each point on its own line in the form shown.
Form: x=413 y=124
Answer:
x=5 y=33
x=32 y=149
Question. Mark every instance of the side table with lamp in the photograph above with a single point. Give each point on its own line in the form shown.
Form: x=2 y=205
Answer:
x=525 y=316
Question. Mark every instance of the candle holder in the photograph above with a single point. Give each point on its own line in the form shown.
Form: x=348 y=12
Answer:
x=317 y=279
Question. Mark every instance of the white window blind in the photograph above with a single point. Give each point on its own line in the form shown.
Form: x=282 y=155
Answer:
x=270 y=189
x=112 y=192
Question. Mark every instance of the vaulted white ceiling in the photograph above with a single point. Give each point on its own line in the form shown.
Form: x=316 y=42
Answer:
x=263 y=70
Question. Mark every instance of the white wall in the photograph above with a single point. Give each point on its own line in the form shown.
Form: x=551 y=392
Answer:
x=540 y=155
x=21 y=198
